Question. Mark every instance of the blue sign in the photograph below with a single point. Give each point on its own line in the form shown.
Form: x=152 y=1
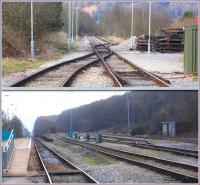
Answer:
x=6 y=134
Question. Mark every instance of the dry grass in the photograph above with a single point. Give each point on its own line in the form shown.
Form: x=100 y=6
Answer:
x=11 y=65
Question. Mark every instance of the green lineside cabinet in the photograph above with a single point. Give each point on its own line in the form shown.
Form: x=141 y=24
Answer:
x=191 y=49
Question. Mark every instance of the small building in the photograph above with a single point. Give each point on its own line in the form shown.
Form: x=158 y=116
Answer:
x=169 y=129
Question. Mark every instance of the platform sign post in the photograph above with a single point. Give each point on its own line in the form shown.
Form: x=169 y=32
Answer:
x=149 y=40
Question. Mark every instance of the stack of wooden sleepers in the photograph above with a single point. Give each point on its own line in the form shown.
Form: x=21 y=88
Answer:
x=170 y=41
x=142 y=42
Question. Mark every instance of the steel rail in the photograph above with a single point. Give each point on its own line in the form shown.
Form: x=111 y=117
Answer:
x=189 y=153
x=186 y=152
x=68 y=81
x=43 y=165
x=107 y=68
x=65 y=161
x=112 y=153
x=43 y=71
x=157 y=79
x=94 y=44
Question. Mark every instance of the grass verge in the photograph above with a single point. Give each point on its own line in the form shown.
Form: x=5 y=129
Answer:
x=14 y=65
x=96 y=160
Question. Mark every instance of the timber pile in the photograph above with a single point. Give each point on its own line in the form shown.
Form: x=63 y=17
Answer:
x=172 y=40
x=142 y=42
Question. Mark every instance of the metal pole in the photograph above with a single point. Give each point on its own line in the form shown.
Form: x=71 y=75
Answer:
x=132 y=26
x=77 y=20
x=1 y=149
x=128 y=114
x=32 y=39
x=149 y=41
x=199 y=66
x=69 y=25
x=71 y=123
x=72 y=21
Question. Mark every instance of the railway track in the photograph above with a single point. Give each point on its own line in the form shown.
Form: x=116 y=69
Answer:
x=58 y=75
x=109 y=70
x=179 y=171
x=148 y=145
x=58 y=169
x=124 y=72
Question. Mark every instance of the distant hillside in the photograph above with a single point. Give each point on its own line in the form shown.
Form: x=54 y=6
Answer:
x=175 y=9
x=147 y=110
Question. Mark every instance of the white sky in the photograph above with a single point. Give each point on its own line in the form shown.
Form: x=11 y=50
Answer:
x=28 y=105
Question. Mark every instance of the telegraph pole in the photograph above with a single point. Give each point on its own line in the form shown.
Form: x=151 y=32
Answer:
x=69 y=26
x=149 y=41
x=72 y=21
x=128 y=110
x=132 y=26
x=32 y=34
x=77 y=20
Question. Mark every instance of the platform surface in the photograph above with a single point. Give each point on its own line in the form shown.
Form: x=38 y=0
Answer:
x=19 y=161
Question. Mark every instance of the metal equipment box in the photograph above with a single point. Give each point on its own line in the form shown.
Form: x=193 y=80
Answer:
x=169 y=129
x=99 y=138
x=191 y=49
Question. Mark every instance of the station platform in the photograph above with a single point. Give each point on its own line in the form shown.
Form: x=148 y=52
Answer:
x=19 y=161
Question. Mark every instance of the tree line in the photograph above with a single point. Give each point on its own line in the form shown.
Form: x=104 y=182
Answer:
x=48 y=18
x=53 y=17
x=14 y=123
x=147 y=111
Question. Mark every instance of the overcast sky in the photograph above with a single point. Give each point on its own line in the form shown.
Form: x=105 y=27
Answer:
x=28 y=105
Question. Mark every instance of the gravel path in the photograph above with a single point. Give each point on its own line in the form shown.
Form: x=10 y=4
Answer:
x=114 y=172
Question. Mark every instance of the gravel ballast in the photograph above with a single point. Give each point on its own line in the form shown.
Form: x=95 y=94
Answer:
x=115 y=172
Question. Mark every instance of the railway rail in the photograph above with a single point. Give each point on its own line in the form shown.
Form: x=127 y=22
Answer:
x=136 y=143
x=117 y=69
x=179 y=171
x=58 y=75
x=124 y=72
x=58 y=169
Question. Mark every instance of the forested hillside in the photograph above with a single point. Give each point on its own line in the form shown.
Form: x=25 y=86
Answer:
x=117 y=21
x=147 y=111
x=174 y=9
